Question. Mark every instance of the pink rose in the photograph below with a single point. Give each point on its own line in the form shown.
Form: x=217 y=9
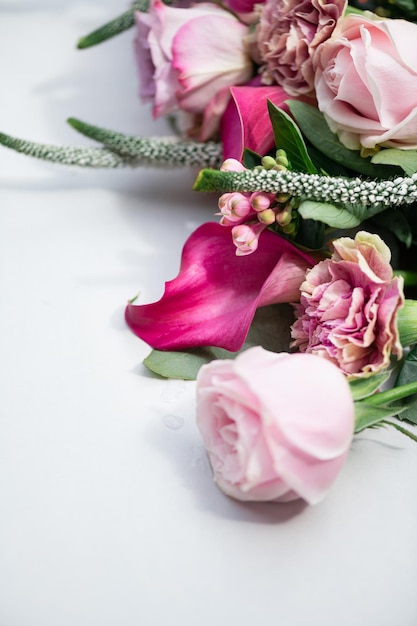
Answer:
x=288 y=34
x=360 y=72
x=276 y=426
x=188 y=57
x=349 y=305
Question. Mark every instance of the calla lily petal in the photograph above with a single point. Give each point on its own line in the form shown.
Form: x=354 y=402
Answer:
x=246 y=123
x=213 y=299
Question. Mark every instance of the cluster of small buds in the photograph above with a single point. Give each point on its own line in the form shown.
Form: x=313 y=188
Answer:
x=248 y=214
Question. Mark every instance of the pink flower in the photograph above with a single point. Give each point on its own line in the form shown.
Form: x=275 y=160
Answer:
x=359 y=71
x=246 y=123
x=288 y=34
x=182 y=65
x=213 y=300
x=276 y=426
x=349 y=304
x=246 y=237
x=234 y=207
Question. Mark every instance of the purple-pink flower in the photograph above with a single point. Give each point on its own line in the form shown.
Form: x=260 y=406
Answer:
x=189 y=57
x=213 y=299
x=349 y=305
x=277 y=427
x=288 y=34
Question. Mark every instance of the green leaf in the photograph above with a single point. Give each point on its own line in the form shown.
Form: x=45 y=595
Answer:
x=406 y=159
x=315 y=128
x=406 y=375
x=310 y=234
x=288 y=137
x=396 y=223
x=251 y=159
x=114 y=27
x=363 y=387
x=407 y=328
x=367 y=415
x=336 y=217
x=270 y=329
x=184 y=365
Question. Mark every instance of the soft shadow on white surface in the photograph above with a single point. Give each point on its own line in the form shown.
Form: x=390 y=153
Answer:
x=108 y=512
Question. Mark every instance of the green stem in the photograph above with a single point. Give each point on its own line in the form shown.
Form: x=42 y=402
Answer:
x=68 y=155
x=390 y=395
x=401 y=429
x=375 y=195
x=114 y=27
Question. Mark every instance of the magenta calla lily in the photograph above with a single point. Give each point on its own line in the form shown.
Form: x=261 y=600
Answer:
x=246 y=123
x=213 y=299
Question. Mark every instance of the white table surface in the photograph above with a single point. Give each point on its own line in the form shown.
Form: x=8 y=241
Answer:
x=108 y=513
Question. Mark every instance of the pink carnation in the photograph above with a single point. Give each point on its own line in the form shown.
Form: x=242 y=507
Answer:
x=348 y=307
x=288 y=34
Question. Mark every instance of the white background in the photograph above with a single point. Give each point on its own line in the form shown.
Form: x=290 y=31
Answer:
x=108 y=513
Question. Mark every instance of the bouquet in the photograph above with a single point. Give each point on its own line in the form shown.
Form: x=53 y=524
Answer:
x=295 y=310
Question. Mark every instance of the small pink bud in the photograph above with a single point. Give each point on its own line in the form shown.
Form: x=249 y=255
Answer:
x=246 y=236
x=234 y=207
x=232 y=165
x=284 y=217
x=261 y=201
x=266 y=217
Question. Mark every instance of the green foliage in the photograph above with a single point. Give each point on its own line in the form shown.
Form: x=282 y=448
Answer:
x=185 y=364
x=251 y=159
x=310 y=234
x=332 y=215
x=394 y=221
x=288 y=137
x=406 y=375
x=114 y=27
x=368 y=415
x=407 y=327
x=406 y=159
x=315 y=128
x=363 y=387
x=372 y=407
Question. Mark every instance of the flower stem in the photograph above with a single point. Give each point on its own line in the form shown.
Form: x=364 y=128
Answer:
x=401 y=429
x=390 y=395
x=165 y=151
x=121 y=151
x=376 y=195
x=114 y=27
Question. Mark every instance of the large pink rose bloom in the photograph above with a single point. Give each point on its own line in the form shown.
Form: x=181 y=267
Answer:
x=288 y=35
x=276 y=426
x=189 y=57
x=366 y=82
x=348 y=307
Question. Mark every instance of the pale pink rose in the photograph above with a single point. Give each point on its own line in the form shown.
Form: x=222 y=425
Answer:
x=288 y=35
x=188 y=57
x=366 y=82
x=349 y=305
x=276 y=427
